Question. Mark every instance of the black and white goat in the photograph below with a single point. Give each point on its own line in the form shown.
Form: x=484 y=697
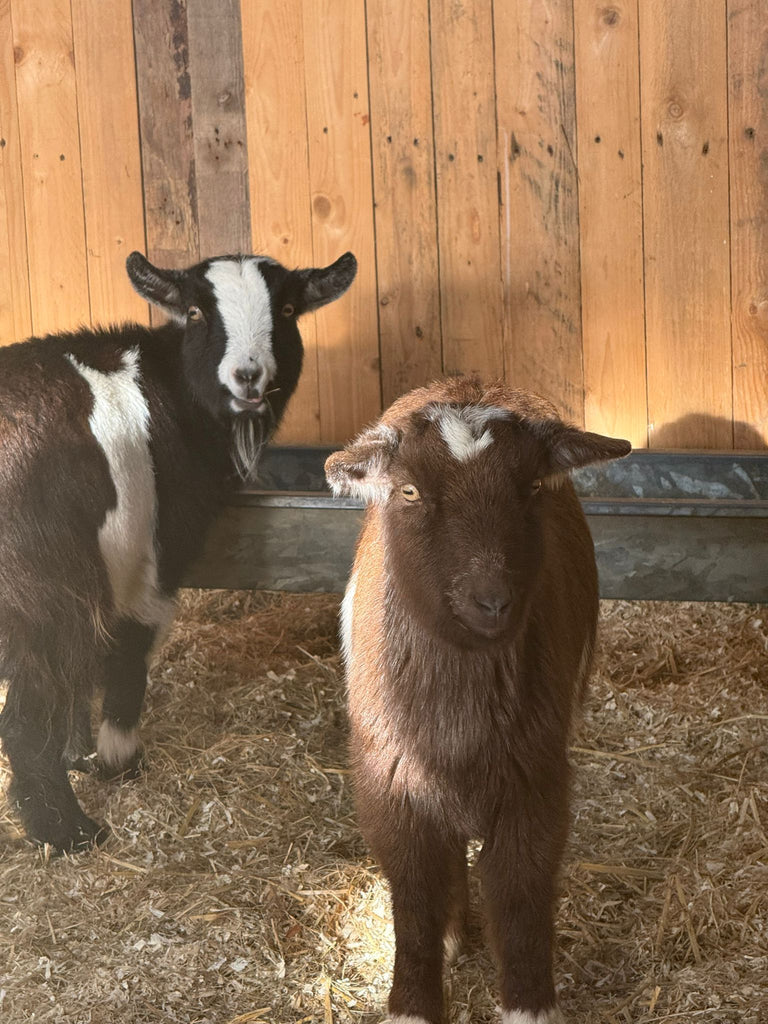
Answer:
x=117 y=447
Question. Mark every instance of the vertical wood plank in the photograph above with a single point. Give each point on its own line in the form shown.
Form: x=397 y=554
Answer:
x=109 y=139
x=748 y=130
x=404 y=193
x=540 y=235
x=467 y=188
x=281 y=223
x=50 y=153
x=342 y=208
x=15 y=314
x=685 y=212
x=167 y=146
x=610 y=218
x=218 y=114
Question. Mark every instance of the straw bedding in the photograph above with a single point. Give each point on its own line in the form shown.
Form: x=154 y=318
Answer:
x=237 y=889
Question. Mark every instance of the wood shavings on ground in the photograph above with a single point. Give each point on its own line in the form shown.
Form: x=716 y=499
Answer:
x=236 y=888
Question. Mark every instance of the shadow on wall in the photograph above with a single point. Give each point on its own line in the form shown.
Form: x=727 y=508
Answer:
x=700 y=429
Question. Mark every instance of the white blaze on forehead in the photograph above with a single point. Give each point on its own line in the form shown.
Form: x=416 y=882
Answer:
x=245 y=307
x=119 y=422
x=464 y=430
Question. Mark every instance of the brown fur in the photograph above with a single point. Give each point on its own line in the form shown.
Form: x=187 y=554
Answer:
x=469 y=626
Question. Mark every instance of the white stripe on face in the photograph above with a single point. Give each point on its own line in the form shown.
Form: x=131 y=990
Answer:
x=245 y=308
x=119 y=421
x=463 y=430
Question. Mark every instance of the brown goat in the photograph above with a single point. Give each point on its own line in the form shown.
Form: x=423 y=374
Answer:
x=468 y=627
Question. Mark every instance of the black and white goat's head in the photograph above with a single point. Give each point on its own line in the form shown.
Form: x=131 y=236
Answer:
x=242 y=349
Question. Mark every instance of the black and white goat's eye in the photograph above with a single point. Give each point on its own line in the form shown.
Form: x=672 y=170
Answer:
x=536 y=486
x=287 y=309
x=409 y=492
x=195 y=313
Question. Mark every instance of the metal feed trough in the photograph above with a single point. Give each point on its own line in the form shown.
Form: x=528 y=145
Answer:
x=666 y=525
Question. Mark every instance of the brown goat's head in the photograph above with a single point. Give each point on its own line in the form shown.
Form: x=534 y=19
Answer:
x=466 y=479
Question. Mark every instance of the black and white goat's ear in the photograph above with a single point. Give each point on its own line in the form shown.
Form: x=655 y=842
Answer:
x=361 y=470
x=319 y=286
x=569 y=448
x=160 y=287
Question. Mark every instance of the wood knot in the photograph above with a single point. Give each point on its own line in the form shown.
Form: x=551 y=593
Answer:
x=675 y=110
x=610 y=16
x=224 y=98
x=322 y=207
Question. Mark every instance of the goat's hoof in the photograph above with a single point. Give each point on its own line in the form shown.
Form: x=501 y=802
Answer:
x=85 y=763
x=70 y=837
x=132 y=769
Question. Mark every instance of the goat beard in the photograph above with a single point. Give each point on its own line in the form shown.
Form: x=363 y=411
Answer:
x=249 y=435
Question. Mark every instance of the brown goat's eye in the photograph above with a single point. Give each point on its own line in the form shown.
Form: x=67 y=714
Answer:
x=409 y=492
x=287 y=309
x=536 y=486
x=195 y=313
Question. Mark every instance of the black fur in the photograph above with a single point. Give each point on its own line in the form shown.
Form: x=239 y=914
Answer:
x=60 y=633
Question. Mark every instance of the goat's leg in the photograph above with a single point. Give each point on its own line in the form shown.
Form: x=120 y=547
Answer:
x=422 y=867
x=125 y=682
x=33 y=740
x=79 y=751
x=456 y=928
x=518 y=867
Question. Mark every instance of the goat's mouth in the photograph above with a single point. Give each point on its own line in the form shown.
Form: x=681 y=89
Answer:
x=255 y=406
x=479 y=624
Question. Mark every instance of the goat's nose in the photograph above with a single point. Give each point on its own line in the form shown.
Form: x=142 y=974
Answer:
x=492 y=598
x=245 y=376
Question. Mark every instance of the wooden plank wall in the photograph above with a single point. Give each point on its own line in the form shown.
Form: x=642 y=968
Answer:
x=571 y=195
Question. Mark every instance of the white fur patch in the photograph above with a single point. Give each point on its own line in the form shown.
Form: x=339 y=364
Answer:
x=119 y=421
x=406 y=1020
x=550 y=1016
x=464 y=430
x=245 y=307
x=115 y=746
x=347 y=606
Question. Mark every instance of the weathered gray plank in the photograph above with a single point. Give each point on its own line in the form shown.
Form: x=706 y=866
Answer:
x=218 y=114
x=272 y=546
x=165 y=116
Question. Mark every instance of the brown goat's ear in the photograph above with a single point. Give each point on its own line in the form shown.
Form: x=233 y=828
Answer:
x=361 y=469
x=570 y=448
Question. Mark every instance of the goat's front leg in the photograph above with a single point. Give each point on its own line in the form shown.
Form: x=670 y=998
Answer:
x=518 y=867
x=427 y=877
x=125 y=682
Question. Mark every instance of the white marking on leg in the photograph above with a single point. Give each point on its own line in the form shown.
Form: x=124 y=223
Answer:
x=119 y=422
x=406 y=1020
x=464 y=430
x=347 y=606
x=452 y=945
x=549 y=1016
x=245 y=307
x=116 y=746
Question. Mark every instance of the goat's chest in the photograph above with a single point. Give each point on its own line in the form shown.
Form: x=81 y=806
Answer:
x=449 y=742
